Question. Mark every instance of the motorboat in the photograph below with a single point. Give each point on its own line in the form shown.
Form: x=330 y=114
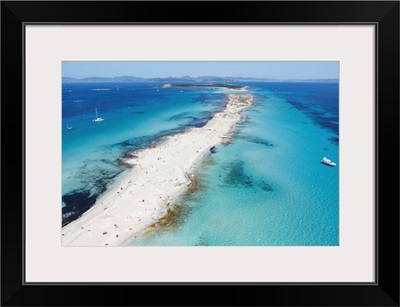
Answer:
x=327 y=161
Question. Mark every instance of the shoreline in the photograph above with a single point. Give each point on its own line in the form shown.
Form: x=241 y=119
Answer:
x=158 y=176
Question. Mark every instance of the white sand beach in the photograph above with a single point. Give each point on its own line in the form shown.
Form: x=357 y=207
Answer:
x=158 y=176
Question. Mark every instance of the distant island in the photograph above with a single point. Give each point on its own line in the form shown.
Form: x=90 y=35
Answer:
x=185 y=79
x=227 y=86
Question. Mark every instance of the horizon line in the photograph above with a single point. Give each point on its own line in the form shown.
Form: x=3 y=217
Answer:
x=182 y=77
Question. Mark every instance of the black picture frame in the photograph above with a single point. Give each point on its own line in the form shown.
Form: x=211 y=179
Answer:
x=383 y=14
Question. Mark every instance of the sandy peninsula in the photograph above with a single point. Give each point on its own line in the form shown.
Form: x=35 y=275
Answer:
x=159 y=174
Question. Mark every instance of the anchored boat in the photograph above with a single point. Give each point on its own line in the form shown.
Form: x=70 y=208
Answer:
x=327 y=161
x=98 y=119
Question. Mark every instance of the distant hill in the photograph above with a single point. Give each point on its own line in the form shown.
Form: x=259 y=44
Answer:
x=186 y=79
x=103 y=79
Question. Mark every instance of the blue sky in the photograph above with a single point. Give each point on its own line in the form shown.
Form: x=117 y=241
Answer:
x=273 y=70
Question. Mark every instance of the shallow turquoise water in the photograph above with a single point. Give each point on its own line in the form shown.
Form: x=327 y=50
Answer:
x=266 y=188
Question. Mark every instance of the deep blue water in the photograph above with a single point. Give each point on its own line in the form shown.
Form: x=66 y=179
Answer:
x=267 y=187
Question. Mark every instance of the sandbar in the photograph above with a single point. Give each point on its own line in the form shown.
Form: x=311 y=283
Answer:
x=159 y=175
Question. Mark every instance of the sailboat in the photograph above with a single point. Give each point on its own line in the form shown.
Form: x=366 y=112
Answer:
x=98 y=119
x=69 y=127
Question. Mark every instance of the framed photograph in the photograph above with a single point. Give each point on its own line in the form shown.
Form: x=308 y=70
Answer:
x=241 y=147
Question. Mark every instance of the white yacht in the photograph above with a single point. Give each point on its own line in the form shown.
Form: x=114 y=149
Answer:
x=98 y=119
x=327 y=161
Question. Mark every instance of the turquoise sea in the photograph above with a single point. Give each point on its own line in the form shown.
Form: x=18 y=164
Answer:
x=266 y=188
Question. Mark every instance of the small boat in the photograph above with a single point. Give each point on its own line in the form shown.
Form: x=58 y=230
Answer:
x=327 y=161
x=69 y=127
x=98 y=119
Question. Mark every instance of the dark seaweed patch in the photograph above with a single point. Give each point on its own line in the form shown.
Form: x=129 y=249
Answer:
x=110 y=162
x=209 y=99
x=334 y=140
x=194 y=120
x=265 y=186
x=319 y=117
x=76 y=203
x=199 y=122
x=256 y=140
x=297 y=104
x=180 y=116
x=180 y=213
x=328 y=123
x=201 y=241
x=236 y=176
x=79 y=201
x=135 y=143
x=316 y=113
